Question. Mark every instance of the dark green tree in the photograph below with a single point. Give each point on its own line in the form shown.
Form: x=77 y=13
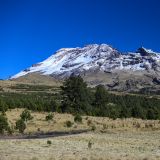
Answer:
x=20 y=125
x=3 y=105
x=100 y=101
x=76 y=96
x=3 y=124
x=78 y=118
x=152 y=113
x=137 y=111
x=101 y=96
x=26 y=115
x=112 y=111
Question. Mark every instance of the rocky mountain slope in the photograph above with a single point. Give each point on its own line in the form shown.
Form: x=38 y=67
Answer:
x=102 y=64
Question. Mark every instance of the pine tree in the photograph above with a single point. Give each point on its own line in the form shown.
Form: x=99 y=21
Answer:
x=100 y=102
x=75 y=95
x=100 y=96
x=3 y=105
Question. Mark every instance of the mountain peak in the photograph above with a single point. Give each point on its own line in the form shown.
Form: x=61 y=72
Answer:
x=145 y=52
x=95 y=57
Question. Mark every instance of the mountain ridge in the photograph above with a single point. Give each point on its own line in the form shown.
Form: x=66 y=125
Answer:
x=68 y=60
x=102 y=64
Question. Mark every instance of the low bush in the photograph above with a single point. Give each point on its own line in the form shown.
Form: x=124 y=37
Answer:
x=49 y=117
x=49 y=142
x=68 y=124
x=3 y=124
x=93 y=127
x=78 y=118
x=26 y=115
x=20 y=125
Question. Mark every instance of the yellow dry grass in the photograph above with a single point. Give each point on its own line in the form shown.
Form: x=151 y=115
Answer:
x=101 y=123
x=127 y=139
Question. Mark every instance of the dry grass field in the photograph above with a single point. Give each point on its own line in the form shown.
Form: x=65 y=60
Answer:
x=31 y=80
x=127 y=139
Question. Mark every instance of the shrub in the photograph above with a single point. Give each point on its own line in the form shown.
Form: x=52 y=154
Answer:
x=152 y=114
x=89 y=122
x=49 y=142
x=26 y=115
x=68 y=124
x=78 y=118
x=104 y=126
x=20 y=125
x=49 y=117
x=93 y=127
x=86 y=118
x=10 y=130
x=3 y=124
x=90 y=144
x=3 y=106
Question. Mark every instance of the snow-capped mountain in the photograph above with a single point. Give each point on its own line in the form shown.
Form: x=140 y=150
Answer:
x=94 y=57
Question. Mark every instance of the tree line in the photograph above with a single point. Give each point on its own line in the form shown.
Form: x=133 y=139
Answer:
x=32 y=101
x=77 y=98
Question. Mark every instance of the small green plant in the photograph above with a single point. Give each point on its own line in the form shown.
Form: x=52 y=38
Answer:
x=20 y=125
x=49 y=117
x=78 y=119
x=49 y=142
x=26 y=115
x=68 y=124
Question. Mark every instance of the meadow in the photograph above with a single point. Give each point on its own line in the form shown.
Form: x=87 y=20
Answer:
x=120 y=139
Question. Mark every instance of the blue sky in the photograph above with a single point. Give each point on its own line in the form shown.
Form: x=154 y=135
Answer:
x=32 y=30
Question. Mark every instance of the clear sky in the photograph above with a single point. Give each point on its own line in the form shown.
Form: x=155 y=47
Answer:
x=32 y=30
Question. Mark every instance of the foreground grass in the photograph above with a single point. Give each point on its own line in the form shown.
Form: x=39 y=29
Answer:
x=125 y=139
x=112 y=146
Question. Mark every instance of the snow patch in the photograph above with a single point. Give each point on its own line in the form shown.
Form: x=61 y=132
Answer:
x=103 y=56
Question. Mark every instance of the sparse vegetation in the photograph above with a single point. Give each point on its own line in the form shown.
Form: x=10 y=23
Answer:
x=78 y=118
x=117 y=135
x=49 y=117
